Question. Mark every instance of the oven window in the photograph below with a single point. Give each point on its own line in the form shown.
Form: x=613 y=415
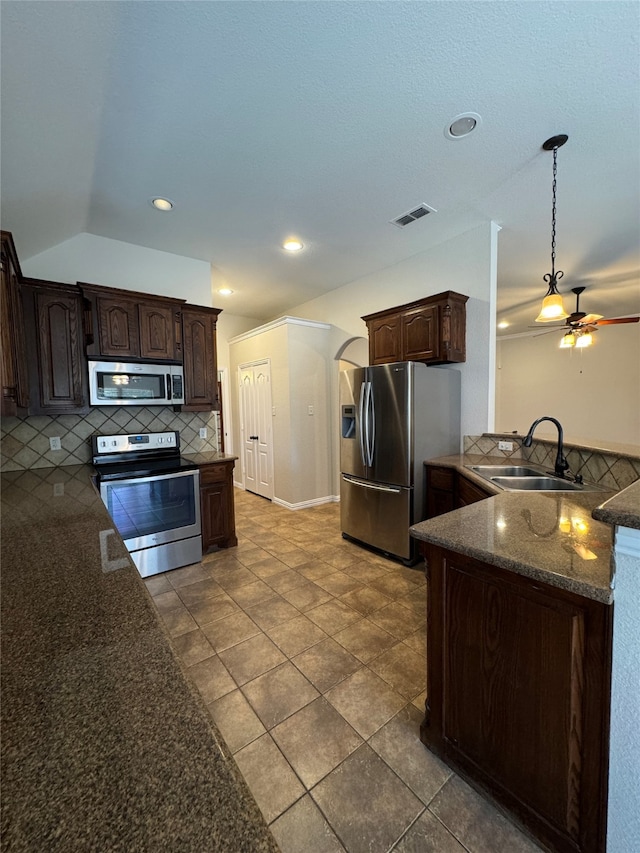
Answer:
x=130 y=386
x=147 y=507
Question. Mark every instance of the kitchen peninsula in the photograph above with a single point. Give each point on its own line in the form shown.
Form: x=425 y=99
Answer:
x=519 y=633
x=105 y=743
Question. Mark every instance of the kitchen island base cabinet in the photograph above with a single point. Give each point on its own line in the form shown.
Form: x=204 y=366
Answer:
x=217 y=506
x=518 y=686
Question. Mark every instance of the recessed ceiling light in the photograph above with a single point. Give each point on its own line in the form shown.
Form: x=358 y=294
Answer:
x=462 y=125
x=225 y=291
x=161 y=203
x=292 y=245
x=503 y=325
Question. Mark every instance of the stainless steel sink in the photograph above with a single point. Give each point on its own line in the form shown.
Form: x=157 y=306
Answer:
x=522 y=478
x=538 y=484
x=504 y=471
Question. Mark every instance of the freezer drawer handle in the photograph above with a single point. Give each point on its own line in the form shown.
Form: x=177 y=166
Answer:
x=373 y=486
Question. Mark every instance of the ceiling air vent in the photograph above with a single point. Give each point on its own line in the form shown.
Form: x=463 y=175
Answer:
x=412 y=215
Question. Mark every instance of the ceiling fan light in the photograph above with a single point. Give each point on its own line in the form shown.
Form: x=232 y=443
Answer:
x=552 y=309
x=568 y=340
x=585 y=340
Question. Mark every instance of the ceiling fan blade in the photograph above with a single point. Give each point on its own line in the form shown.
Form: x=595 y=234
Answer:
x=591 y=318
x=617 y=320
x=547 y=331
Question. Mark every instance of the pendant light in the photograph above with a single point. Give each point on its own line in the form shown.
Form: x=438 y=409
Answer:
x=552 y=307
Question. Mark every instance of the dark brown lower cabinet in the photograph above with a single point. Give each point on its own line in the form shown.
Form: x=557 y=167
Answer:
x=217 y=506
x=518 y=695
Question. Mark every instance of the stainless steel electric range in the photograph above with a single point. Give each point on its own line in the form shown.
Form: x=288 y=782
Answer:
x=153 y=497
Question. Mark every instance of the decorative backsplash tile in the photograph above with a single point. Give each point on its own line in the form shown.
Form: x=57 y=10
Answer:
x=613 y=470
x=25 y=441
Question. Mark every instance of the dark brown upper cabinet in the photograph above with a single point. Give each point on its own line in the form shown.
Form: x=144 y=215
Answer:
x=55 y=360
x=200 y=358
x=14 y=396
x=431 y=330
x=127 y=324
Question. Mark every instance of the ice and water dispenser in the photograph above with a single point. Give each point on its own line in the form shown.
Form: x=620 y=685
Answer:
x=348 y=429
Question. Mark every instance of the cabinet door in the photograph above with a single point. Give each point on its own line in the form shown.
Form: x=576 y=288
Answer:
x=200 y=368
x=421 y=334
x=217 y=506
x=518 y=676
x=157 y=331
x=118 y=327
x=469 y=493
x=57 y=366
x=13 y=369
x=385 y=340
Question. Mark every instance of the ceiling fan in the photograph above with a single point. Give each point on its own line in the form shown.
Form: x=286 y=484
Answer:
x=578 y=326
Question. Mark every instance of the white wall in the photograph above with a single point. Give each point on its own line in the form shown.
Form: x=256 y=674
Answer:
x=300 y=358
x=112 y=263
x=594 y=392
x=465 y=264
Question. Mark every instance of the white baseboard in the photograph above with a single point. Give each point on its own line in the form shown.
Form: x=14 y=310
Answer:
x=306 y=504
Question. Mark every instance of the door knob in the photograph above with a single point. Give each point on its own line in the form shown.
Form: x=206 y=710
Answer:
x=253 y=438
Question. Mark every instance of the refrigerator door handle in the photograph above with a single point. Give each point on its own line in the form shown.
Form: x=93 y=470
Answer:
x=374 y=486
x=371 y=419
x=362 y=420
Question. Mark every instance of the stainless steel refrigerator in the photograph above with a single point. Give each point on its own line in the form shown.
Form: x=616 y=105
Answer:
x=393 y=418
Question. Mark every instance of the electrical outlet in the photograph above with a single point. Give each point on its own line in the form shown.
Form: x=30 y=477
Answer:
x=54 y=443
x=309 y=410
x=505 y=445
x=203 y=432
x=58 y=490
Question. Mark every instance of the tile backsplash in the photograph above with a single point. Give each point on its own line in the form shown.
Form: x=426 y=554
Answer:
x=25 y=441
x=613 y=470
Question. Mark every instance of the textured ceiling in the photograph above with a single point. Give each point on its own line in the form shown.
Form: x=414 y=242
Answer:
x=325 y=120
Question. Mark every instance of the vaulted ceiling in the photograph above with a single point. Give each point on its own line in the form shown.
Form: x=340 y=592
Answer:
x=326 y=120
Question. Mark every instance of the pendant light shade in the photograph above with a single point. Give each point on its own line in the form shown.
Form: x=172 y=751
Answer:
x=552 y=307
x=568 y=340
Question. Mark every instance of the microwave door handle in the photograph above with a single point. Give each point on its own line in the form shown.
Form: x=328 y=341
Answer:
x=168 y=394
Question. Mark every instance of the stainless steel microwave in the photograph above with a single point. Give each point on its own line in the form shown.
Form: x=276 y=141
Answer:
x=116 y=383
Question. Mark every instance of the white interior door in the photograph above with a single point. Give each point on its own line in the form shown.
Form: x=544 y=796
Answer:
x=256 y=429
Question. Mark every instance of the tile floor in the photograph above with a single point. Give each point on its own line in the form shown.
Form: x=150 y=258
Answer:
x=309 y=652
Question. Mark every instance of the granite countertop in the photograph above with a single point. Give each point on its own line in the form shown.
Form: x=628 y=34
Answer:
x=208 y=457
x=106 y=745
x=622 y=509
x=547 y=536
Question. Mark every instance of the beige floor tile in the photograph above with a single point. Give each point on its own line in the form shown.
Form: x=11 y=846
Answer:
x=252 y=555
x=398 y=744
x=367 y=805
x=428 y=835
x=338 y=583
x=189 y=574
x=295 y=558
x=296 y=635
x=285 y=581
x=279 y=693
x=398 y=620
x=315 y=740
x=475 y=822
x=393 y=585
x=333 y=616
x=192 y=647
x=272 y=612
x=365 y=701
x=303 y=829
x=307 y=595
x=211 y=678
x=403 y=669
x=230 y=630
x=210 y=609
x=365 y=640
x=365 y=600
x=251 y=658
x=192 y=593
x=418 y=641
x=236 y=720
x=157 y=584
x=270 y=566
x=315 y=568
x=166 y=601
x=326 y=664
x=270 y=779
x=251 y=593
x=230 y=579
x=178 y=621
